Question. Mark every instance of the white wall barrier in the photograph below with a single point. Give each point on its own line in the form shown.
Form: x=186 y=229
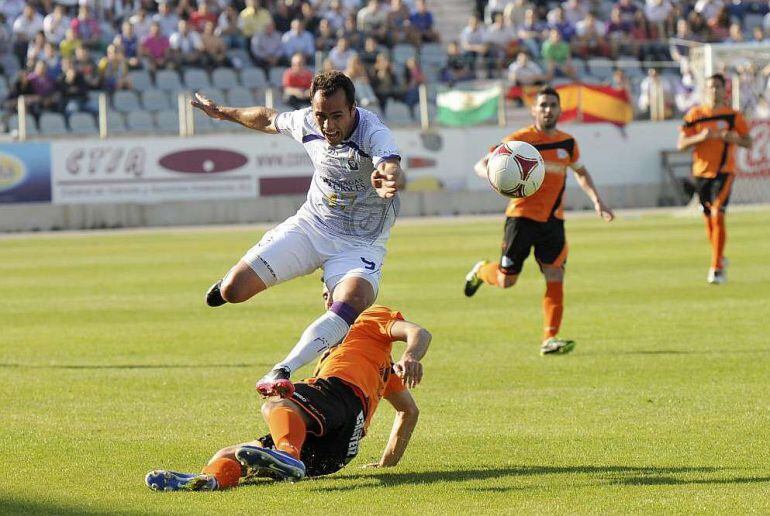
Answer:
x=235 y=178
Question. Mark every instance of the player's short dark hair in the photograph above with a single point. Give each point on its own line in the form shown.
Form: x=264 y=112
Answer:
x=718 y=77
x=328 y=83
x=549 y=90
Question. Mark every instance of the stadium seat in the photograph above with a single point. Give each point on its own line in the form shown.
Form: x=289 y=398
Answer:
x=253 y=78
x=600 y=67
x=196 y=79
x=140 y=121
x=3 y=88
x=140 y=80
x=13 y=124
x=216 y=95
x=125 y=101
x=116 y=124
x=224 y=78
x=631 y=67
x=398 y=113
x=83 y=123
x=168 y=80
x=276 y=76
x=202 y=122
x=240 y=97
x=240 y=59
x=155 y=100
x=10 y=65
x=52 y=124
x=402 y=52
x=167 y=121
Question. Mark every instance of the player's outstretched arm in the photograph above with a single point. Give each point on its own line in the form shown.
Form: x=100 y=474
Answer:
x=259 y=118
x=388 y=178
x=404 y=423
x=586 y=183
x=417 y=339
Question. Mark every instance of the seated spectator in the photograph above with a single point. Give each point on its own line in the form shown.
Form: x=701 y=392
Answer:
x=155 y=48
x=86 y=66
x=129 y=44
x=296 y=83
x=327 y=66
x=574 y=11
x=55 y=24
x=43 y=87
x=298 y=40
x=357 y=73
x=590 y=41
x=87 y=28
x=758 y=35
x=354 y=36
x=21 y=87
x=370 y=52
x=73 y=90
x=254 y=18
x=267 y=48
x=658 y=14
x=619 y=35
x=341 y=54
x=698 y=26
x=25 y=28
x=336 y=16
x=513 y=14
x=201 y=16
x=525 y=72
x=421 y=22
x=557 y=56
x=385 y=83
x=310 y=18
x=501 y=41
x=414 y=78
x=373 y=20
x=530 y=32
x=473 y=42
x=282 y=17
x=10 y=10
x=186 y=46
x=621 y=82
x=458 y=68
x=166 y=18
x=214 y=50
x=720 y=26
x=113 y=70
x=628 y=10
x=141 y=22
x=656 y=96
x=326 y=38
x=640 y=34
x=709 y=9
x=228 y=30
x=52 y=60
x=556 y=21
x=6 y=44
x=35 y=50
x=398 y=23
x=735 y=34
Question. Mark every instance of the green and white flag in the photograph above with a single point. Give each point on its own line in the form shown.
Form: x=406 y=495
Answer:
x=459 y=107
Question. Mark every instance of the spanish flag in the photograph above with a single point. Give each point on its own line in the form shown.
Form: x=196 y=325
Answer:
x=586 y=103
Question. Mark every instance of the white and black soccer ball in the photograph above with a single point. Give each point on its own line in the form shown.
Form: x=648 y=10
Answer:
x=516 y=169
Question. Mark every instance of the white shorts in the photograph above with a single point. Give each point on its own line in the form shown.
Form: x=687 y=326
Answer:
x=296 y=248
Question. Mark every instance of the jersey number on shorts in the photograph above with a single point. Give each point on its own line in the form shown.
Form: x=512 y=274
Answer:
x=367 y=264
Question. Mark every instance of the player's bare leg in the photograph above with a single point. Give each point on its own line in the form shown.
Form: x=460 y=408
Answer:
x=553 y=308
x=240 y=284
x=351 y=296
x=489 y=273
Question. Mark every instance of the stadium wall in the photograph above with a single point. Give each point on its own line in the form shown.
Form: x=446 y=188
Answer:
x=241 y=178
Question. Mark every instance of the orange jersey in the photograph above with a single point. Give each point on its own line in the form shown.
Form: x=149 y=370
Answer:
x=559 y=151
x=713 y=156
x=363 y=360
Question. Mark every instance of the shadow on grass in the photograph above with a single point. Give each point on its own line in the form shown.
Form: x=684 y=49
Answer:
x=13 y=506
x=131 y=366
x=629 y=475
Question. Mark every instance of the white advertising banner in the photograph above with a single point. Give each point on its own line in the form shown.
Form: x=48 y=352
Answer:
x=151 y=170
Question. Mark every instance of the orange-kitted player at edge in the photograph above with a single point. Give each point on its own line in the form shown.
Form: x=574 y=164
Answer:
x=538 y=220
x=714 y=131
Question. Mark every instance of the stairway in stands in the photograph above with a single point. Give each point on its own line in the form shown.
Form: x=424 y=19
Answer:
x=450 y=17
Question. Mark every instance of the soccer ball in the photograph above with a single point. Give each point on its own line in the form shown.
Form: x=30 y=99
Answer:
x=515 y=169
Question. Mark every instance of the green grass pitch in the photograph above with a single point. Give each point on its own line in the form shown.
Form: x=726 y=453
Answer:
x=111 y=365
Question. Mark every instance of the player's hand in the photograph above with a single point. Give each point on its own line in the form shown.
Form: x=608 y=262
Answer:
x=604 y=212
x=207 y=105
x=707 y=134
x=409 y=370
x=386 y=183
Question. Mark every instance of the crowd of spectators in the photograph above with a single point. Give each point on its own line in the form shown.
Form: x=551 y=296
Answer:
x=55 y=51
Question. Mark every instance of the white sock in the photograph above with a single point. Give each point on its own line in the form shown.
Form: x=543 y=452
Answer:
x=325 y=332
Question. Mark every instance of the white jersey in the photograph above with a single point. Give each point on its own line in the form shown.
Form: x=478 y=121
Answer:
x=341 y=199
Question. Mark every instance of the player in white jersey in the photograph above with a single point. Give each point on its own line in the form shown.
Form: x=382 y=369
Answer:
x=343 y=225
